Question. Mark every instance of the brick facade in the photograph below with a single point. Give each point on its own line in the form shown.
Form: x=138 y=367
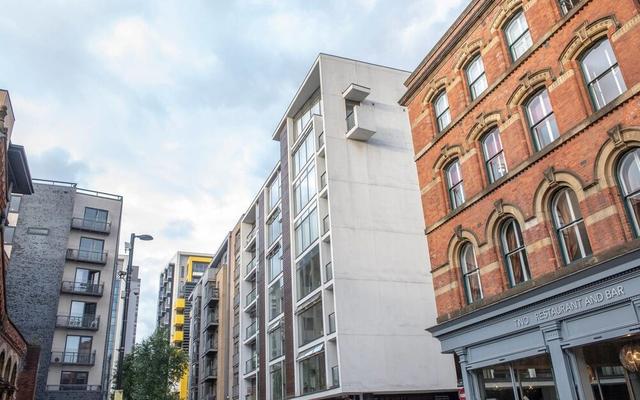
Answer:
x=583 y=158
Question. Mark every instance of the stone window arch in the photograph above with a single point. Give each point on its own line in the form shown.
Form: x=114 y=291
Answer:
x=586 y=35
x=628 y=174
x=465 y=241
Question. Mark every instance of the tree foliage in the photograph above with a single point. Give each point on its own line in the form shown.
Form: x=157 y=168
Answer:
x=152 y=371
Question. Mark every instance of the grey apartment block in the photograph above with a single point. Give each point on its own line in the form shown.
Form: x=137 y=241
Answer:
x=48 y=295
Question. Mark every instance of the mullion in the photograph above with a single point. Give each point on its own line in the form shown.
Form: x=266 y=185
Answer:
x=597 y=78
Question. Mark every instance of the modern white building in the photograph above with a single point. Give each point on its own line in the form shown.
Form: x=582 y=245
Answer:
x=334 y=290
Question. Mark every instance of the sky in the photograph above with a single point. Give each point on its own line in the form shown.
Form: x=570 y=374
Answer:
x=172 y=104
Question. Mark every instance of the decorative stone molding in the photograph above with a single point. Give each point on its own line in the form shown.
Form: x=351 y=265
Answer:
x=498 y=205
x=505 y=11
x=483 y=122
x=586 y=35
x=467 y=51
x=529 y=82
x=447 y=153
x=626 y=28
x=434 y=88
x=621 y=139
x=550 y=176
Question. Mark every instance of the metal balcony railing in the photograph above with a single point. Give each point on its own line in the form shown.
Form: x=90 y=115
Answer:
x=210 y=371
x=73 y=358
x=251 y=235
x=91 y=225
x=74 y=388
x=211 y=344
x=95 y=257
x=321 y=140
x=89 y=289
x=212 y=318
x=323 y=180
x=328 y=272
x=89 y=322
x=325 y=224
x=251 y=266
x=251 y=364
x=213 y=293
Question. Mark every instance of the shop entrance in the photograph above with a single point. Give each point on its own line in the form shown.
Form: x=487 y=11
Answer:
x=526 y=379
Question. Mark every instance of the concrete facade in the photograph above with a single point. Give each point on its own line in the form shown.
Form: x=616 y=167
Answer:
x=561 y=309
x=48 y=262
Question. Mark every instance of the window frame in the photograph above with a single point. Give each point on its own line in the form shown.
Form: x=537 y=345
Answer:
x=441 y=94
x=526 y=32
x=451 y=187
x=633 y=221
x=470 y=85
x=532 y=127
x=610 y=69
x=520 y=250
x=574 y=223
x=500 y=154
x=466 y=274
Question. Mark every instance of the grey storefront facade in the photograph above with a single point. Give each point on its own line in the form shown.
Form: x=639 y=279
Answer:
x=575 y=337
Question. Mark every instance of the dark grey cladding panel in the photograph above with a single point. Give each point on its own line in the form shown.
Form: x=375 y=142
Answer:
x=36 y=266
x=73 y=395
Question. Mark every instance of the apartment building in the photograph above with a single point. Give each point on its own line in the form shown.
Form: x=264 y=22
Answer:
x=18 y=358
x=334 y=287
x=526 y=134
x=208 y=352
x=59 y=284
x=177 y=281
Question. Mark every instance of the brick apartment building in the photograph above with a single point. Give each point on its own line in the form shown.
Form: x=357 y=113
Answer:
x=526 y=129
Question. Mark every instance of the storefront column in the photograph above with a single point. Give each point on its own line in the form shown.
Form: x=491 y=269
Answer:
x=561 y=367
x=467 y=379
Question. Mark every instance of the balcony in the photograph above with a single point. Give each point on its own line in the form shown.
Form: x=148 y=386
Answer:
x=93 y=257
x=212 y=320
x=74 y=388
x=251 y=238
x=335 y=377
x=86 y=322
x=332 y=323
x=82 y=288
x=212 y=294
x=73 y=358
x=178 y=320
x=326 y=229
x=250 y=298
x=251 y=330
x=178 y=337
x=250 y=268
x=91 y=225
x=211 y=345
x=328 y=272
x=179 y=304
x=360 y=122
x=323 y=185
x=251 y=364
x=210 y=372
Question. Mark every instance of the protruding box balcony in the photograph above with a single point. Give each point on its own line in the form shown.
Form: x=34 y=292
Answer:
x=212 y=320
x=73 y=358
x=250 y=299
x=82 y=288
x=91 y=225
x=84 y=322
x=356 y=93
x=179 y=304
x=251 y=238
x=251 y=330
x=211 y=345
x=212 y=294
x=250 y=269
x=74 y=388
x=361 y=122
x=93 y=257
x=210 y=373
x=178 y=320
x=178 y=337
x=251 y=364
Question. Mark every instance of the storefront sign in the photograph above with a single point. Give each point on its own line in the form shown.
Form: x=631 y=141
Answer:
x=572 y=306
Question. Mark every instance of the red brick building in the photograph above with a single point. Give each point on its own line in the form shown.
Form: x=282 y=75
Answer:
x=18 y=360
x=526 y=128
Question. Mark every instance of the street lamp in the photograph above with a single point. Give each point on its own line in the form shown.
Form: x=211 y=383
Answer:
x=125 y=308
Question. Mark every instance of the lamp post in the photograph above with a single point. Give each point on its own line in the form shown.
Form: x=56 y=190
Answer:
x=125 y=308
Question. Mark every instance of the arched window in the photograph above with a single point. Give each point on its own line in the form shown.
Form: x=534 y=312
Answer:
x=515 y=254
x=441 y=105
x=602 y=73
x=629 y=178
x=542 y=122
x=569 y=225
x=476 y=78
x=518 y=35
x=470 y=273
x=454 y=184
x=493 y=155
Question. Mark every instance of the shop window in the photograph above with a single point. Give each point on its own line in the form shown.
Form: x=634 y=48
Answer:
x=470 y=273
x=542 y=121
x=629 y=179
x=570 y=228
x=494 y=155
x=602 y=73
x=529 y=378
x=514 y=252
